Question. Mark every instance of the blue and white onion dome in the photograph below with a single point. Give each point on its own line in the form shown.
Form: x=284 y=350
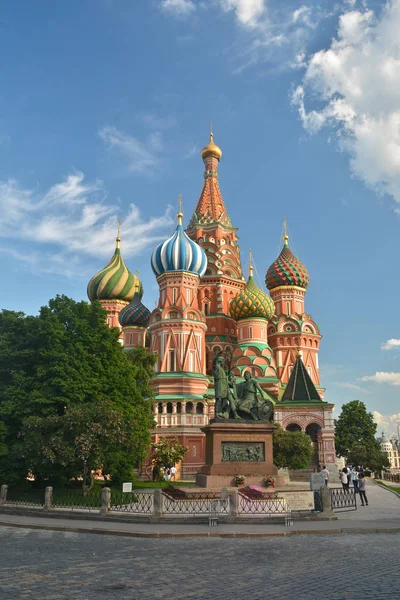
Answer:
x=179 y=253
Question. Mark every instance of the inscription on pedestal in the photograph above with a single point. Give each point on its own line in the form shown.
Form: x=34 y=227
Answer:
x=242 y=452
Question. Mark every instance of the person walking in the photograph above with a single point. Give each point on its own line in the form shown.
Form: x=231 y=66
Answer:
x=325 y=473
x=343 y=479
x=348 y=475
x=354 y=479
x=361 y=489
x=173 y=471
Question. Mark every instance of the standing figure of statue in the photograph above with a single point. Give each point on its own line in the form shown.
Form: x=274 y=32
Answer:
x=249 y=405
x=221 y=387
x=225 y=401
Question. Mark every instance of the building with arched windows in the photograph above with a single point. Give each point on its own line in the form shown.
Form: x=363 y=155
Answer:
x=205 y=306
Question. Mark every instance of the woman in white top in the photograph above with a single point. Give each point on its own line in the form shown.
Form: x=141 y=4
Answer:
x=343 y=479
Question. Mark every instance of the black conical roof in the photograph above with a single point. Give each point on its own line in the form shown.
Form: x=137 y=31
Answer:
x=300 y=388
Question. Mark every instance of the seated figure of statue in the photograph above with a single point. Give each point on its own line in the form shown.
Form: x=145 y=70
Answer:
x=249 y=405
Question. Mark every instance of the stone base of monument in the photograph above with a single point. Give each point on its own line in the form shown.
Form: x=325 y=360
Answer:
x=237 y=448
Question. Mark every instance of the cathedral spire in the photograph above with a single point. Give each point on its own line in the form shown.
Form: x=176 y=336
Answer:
x=210 y=206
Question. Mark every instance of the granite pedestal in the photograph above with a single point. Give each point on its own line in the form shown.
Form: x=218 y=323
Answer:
x=237 y=448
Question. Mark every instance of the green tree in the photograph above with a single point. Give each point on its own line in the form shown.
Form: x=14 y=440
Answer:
x=292 y=449
x=61 y=367
x=168 y=452
x=354 y=426
x=355 y=439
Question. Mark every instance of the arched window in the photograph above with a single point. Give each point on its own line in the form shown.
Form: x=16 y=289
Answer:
x=179 y=408
x=159 y=408
x=169 y=408
x=199 y=408
x=189 y=408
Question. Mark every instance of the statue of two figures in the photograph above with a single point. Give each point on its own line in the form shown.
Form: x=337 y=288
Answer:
x=246 y=400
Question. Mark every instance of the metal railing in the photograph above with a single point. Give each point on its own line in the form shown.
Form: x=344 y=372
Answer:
x=266 y=507
x=132 y=502
x=343 y=499
x=75 y=499
x=395 y=477
x=199 y=505
x=25 y=497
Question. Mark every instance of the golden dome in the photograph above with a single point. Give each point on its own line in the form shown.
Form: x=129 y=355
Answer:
x=211 y=149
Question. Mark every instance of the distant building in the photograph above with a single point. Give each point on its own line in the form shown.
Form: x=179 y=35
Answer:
x=392 y=450
x=206 y=306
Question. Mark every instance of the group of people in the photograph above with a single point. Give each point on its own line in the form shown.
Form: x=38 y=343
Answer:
x=354 y=475
x=348 y=475
x=161 y=474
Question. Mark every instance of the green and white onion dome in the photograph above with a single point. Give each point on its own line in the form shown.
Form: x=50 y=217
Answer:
x=115 y=281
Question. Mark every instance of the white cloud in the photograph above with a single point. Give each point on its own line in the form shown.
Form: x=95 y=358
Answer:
x=356 y=84
x=390 y=344
x=351 y=386
x=141 y=156
x=70 y=221
x=247 y=12
x=386 y=423
x=179 y=7
x=382 y=377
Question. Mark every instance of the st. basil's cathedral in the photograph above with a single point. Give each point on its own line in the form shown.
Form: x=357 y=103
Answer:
x=206 y=306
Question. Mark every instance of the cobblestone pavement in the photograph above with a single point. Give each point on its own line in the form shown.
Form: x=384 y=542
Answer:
x=53 y=565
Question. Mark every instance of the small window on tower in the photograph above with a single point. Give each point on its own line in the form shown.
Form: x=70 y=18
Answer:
x=288 y=308
x=250 y=332
x=174 y=294
x=206 y=308
x=172 y=360
x=188 y=296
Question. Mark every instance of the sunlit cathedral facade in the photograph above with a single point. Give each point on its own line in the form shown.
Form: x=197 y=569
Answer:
x=206 y=305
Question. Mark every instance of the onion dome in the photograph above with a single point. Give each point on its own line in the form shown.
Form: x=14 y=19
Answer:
x=252 y=303
x=179 y=253
x=135 y=314
x=115 y=281
x=287 y=269
x=211 y=149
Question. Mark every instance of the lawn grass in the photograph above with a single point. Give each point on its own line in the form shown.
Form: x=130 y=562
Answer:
x=392 y=488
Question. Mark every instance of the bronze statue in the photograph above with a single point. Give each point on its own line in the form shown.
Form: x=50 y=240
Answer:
x=249 y=404
x=225 y=390
x=242 y=400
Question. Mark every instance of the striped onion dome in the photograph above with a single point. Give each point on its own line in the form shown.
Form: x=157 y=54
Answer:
x=135 y=314
x=287 y=270
x=252 y=302
x=115 y=281
x=179 y=253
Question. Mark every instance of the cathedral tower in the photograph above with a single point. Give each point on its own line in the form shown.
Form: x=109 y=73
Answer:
x=211 y=227
x=252 y=309
x=291 y=329
x=114 y=286
x=177 y=326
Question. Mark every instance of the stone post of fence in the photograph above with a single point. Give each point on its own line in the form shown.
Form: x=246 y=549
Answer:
x=3 y=493
x=157 y=503
x=233 y=503
x=326 y=500
x=105 y=501
x=48 y=498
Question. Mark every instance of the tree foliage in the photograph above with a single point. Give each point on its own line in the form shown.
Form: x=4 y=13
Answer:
x=71 y=399
x=355 y=432
x=292 y=449
x=168 y=452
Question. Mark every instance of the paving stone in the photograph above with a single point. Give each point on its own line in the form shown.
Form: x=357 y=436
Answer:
x=91 y=567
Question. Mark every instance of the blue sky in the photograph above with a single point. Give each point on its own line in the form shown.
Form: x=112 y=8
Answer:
x=106 y=104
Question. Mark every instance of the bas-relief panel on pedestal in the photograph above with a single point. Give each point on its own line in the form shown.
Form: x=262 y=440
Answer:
x=242 y=452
